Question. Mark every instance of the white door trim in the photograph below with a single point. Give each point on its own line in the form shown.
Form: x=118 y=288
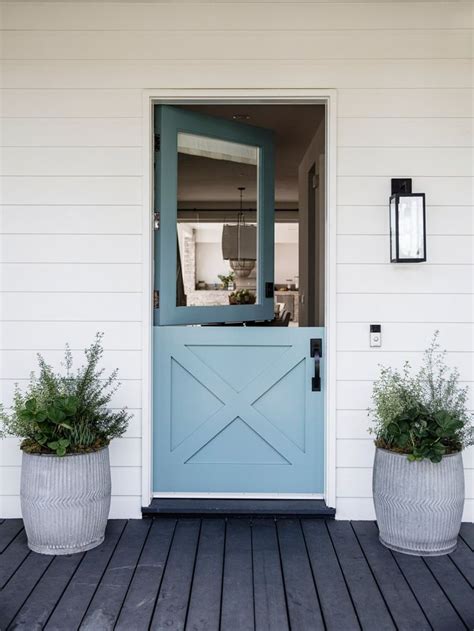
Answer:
x=328 y=97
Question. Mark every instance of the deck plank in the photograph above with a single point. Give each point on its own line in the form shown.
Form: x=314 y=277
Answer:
x=463 y=558
x=73 y=603
x=269 y=592
x=13 y=557
x=439 y=611
x=237 y=594
x=368 y=601
x=467 y=533
x=398 y=596
x=205 y=600
x=8 y=531
x=456 y=588
x=303 y=605
x=20 y=585
x=137 y=609
x=336 y=602
x=172 y=604
x=40 y=603
x=105 y=606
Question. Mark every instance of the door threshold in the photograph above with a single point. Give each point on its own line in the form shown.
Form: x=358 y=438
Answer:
x=316 y=508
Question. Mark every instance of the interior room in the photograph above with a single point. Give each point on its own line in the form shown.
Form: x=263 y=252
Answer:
x=217 y=213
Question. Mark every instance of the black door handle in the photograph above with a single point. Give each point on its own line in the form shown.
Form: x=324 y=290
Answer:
x=316 y=351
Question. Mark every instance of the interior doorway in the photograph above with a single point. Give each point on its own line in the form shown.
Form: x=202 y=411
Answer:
x=212 y=194
x=239 y=338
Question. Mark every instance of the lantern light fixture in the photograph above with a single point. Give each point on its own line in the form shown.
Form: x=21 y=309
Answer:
x=407 y=223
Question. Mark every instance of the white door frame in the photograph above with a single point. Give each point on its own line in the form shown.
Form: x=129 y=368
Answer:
x=326 y=97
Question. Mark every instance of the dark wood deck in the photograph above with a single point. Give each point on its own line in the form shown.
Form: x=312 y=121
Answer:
x=235 y=574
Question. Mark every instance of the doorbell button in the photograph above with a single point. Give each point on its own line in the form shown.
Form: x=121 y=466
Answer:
x=375 y=335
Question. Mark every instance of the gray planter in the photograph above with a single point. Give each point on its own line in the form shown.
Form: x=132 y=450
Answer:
x=65 y=501
x=418 y=504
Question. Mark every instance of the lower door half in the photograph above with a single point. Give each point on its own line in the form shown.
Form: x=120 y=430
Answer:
x=238 y=410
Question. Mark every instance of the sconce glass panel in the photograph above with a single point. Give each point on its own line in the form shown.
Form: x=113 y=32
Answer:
x=407 y=228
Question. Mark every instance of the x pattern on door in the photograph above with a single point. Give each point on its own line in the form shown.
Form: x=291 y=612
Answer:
x=235 y=411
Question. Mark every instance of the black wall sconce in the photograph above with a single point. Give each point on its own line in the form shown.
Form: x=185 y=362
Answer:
x=407 y=224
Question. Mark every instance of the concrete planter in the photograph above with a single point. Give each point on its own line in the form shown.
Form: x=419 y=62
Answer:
x=418 y=504
x=65 y=501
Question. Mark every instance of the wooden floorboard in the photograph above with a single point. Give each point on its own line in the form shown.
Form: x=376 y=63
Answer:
x=237 y=594
x=8 y=531
x=458 y=590
x=13 y=557
x=439 y=611
x=467 y=534
x=78 y=594
x=173 y=598
x=269 y=591
x=139 y=603
x=106 y=604
x=371 y=609
x=463 y=559
x=304 y=610
x=398 y=596
x=206 y=591
x=336 y=603
x=235 y=574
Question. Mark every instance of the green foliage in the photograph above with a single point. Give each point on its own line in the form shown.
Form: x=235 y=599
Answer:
x=226 y=280
x=422 y=414
x=242 y=297
x=66 y=412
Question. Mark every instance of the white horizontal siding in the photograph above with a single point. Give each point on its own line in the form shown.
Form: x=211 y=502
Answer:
x=54 y=335
x=171 y=45
x=67 y=132
x=72 y=184
x=346 y=73
x=67 y=190
x=430 y=279
x=71 y=248
x=79 y=219
x=69 y=306
x=231 y=16
x=72 y=161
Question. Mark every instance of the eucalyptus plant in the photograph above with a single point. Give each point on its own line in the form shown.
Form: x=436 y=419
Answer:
x=422 y=414
x=66 y=412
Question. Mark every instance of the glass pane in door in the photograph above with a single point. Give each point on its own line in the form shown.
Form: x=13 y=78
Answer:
x=217 y=222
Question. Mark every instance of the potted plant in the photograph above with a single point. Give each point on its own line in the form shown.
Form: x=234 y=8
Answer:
x=242 y=297
x=227 y=280
x=421 y=426
x=65 y=427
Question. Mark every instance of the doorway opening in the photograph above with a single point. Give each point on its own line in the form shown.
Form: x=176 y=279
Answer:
x=239 y=376
x=217 y=200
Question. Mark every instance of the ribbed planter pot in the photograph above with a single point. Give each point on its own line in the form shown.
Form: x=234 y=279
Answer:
x=418 y=504
x=65 y=501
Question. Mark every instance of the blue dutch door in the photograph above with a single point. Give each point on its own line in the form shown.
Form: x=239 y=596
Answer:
x=238 y=397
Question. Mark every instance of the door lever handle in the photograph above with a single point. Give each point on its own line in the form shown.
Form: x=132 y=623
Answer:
x=316 y=351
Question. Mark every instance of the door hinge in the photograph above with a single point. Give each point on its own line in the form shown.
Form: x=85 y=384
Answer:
x=156 y=299
x=157 y=142
x=156 y=220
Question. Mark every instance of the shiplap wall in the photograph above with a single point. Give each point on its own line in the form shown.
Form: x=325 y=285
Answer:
x=71 y=140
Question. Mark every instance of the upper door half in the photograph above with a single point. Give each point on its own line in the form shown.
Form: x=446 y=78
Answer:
x=214 y=182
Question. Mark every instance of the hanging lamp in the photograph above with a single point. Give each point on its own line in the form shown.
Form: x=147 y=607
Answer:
x=239 y=243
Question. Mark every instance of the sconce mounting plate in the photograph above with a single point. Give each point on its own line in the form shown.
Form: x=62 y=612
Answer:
x=401 y=186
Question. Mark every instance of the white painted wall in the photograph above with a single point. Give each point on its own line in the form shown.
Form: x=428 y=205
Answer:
x=73 y=75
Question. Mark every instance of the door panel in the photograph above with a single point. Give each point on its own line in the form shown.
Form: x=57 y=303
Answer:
x=189 y=141
x=235 y=411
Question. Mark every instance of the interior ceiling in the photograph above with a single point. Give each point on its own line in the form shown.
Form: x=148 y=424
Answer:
x=204 y=180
